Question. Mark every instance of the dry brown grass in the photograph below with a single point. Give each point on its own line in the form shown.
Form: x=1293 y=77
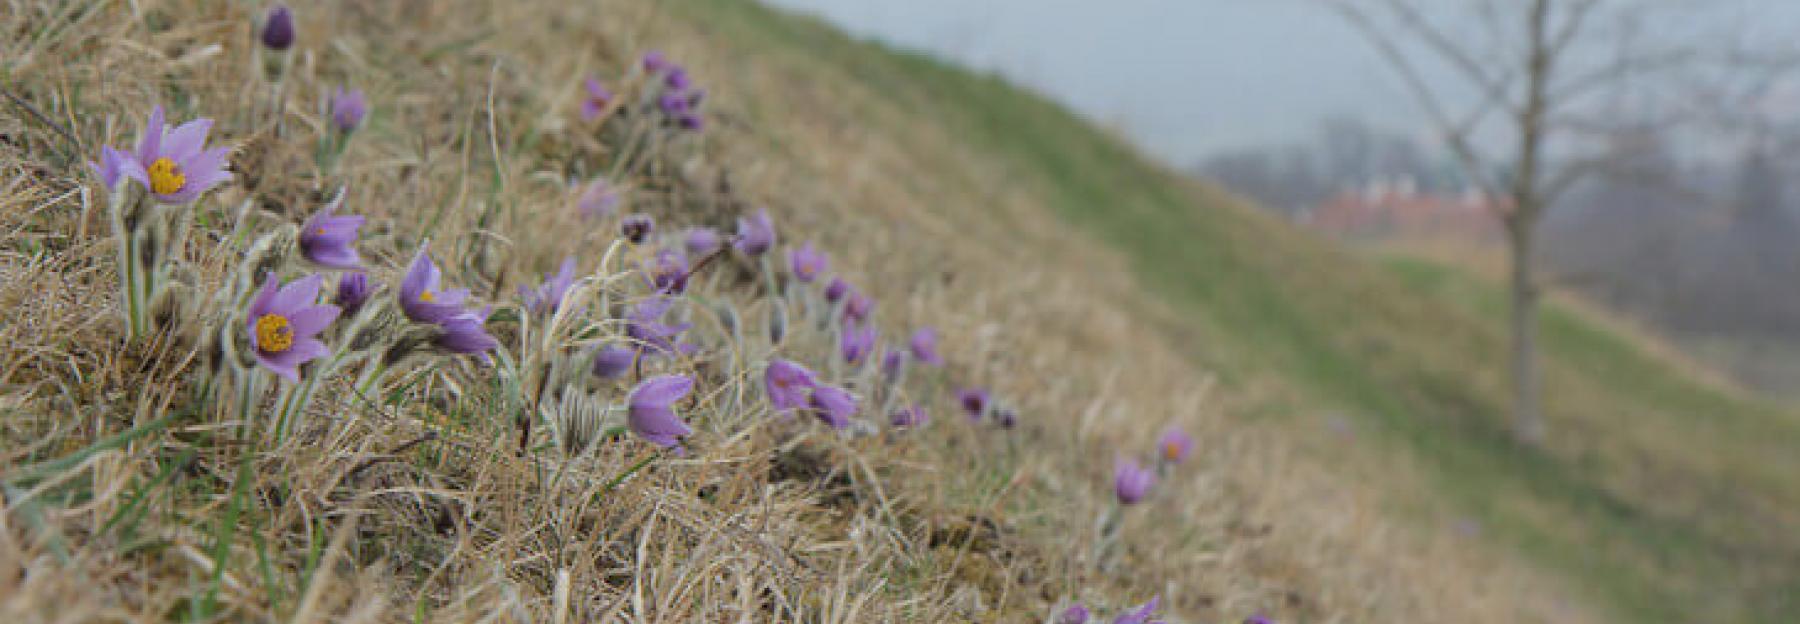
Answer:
x=424 y=507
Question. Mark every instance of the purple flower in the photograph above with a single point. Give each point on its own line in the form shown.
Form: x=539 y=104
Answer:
x=654 y=62
x=672 y=104
x=464 y=333
x=836 y=289
x=669 y=272
x=326 y=239
x=857 y=309
x=892 y=362
x=677 y=79
x=833 y=405
x=701 y=241
x=691 y=121
x=637 y=227
x=1131 y=481
x=348 y=109
x=1142 y=614
x=789 y=385
x=1259 y=619
x=857 y=343
x=910 y=417
x=756 y=233
x=924 y=346
x=974 y=401
x=1175 y=445
x=173 y=163
x=807 y=263
x=1006 y=417
x=598 y=199
x=353 y=290
x=1075 y=614
x=420 y=298
x=549 y=295
x=598 y=98
x=695 y=97
x=278 y=28
x=611 y=362
x=282 y=325
x=644 y=324
x=650 y=415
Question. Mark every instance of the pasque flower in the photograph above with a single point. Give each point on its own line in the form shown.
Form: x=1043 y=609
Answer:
x=651 y=416
x=893 y=362
x=836 y=289
x=1131 y=482
x=637 y=227
x=644 y=324
x=598 y=199
x=278 y=28
x=347 y=109
x=1006 y=418
x=669 y=272
x=755 y=233
x=547 y=297
x=856 y=343
x=465 y=333
x=420 y=297
x=598 y=98
x=612 y=361
x=974 y=401
x=353 y=290
x=857 y=309
x=1140 y=615
x=1259 y=619
x=789 y=385
x=173 y=163
x=833 y=405
x=1175 y=445
x=327 y=239
x=655 y=62
x=700 y=241
x=910 y=417
x=807 y=262
x=282 y=323
x=924 y=346
x=1075 y=614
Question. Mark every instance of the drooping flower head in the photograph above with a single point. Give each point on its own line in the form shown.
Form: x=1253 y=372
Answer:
x=597 y=200
x=1175 y=445
x=637 y=227
x=755 y=233
x=807 y=262
x=172 y=163
x=1140 y=615
x=669 y=272
x=420 y=297
x=974 y=402
x=282 y=324
x=1131 y=482
x=1075 y=614
x=789 y=385
x=598 y=98
x=836 y=289
x=651 y=416
x=857 y=309
x=700 y=241
x=833 y=405
x=857 y=343
x=547 y=297
x=348 y=107
x=278 y=28
x=612 y=361
x=644 y=324
x=353 y=290
x=465 y=333
x=924 y=346
x=328 y=240
x=909 y=417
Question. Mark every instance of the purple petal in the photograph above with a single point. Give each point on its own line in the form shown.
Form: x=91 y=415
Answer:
x=308 y=322
x=660 y=391
x=295 y=294
x=185 y=141
x=150 y=141
x=264 y=302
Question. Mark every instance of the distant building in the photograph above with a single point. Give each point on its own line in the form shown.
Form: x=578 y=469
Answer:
x=1398 y=211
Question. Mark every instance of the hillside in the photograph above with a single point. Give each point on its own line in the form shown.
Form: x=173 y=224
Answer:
x=1351 y=464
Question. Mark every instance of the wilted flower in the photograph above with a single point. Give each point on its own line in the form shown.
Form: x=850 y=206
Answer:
x=836 y=289
x=637 y=227
x=924 y=346
x=348 y=109
x=857 y=309
x=1175 y=445
x=669 y=272
x=353 y=289
x=282 y=325
x=1075 y=614
x=654 y=62
x=807 y=263
x=420 y=298
x=326 y=239
x=910 y=417
x=278 y=28
x=833 y=405
x=974 y=401
x=549 y=295
x=598 y=199
x=650 y=415
x=701 y=241
x=173 y=163
x=644 y=324
x=598 y=98
x=1142 y=614
x=1131 y=481
x=465 y=334
x=856 y=343
x=612 y=361
x=789 y=385
x=756 y=233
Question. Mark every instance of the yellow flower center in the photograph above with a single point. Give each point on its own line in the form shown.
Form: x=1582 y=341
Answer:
x=273 y=333
x=426 y=296
x=1172 y=451
x=165 y=177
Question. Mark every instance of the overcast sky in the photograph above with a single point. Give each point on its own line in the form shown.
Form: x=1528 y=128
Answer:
x=1184 y=77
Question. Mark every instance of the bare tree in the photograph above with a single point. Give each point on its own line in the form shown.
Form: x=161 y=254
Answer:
x=1545 y=78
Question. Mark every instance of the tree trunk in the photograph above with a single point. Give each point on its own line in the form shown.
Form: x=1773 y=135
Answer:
x=1528 y=419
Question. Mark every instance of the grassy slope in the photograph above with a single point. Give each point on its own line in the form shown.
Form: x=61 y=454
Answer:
x=1665 y=497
